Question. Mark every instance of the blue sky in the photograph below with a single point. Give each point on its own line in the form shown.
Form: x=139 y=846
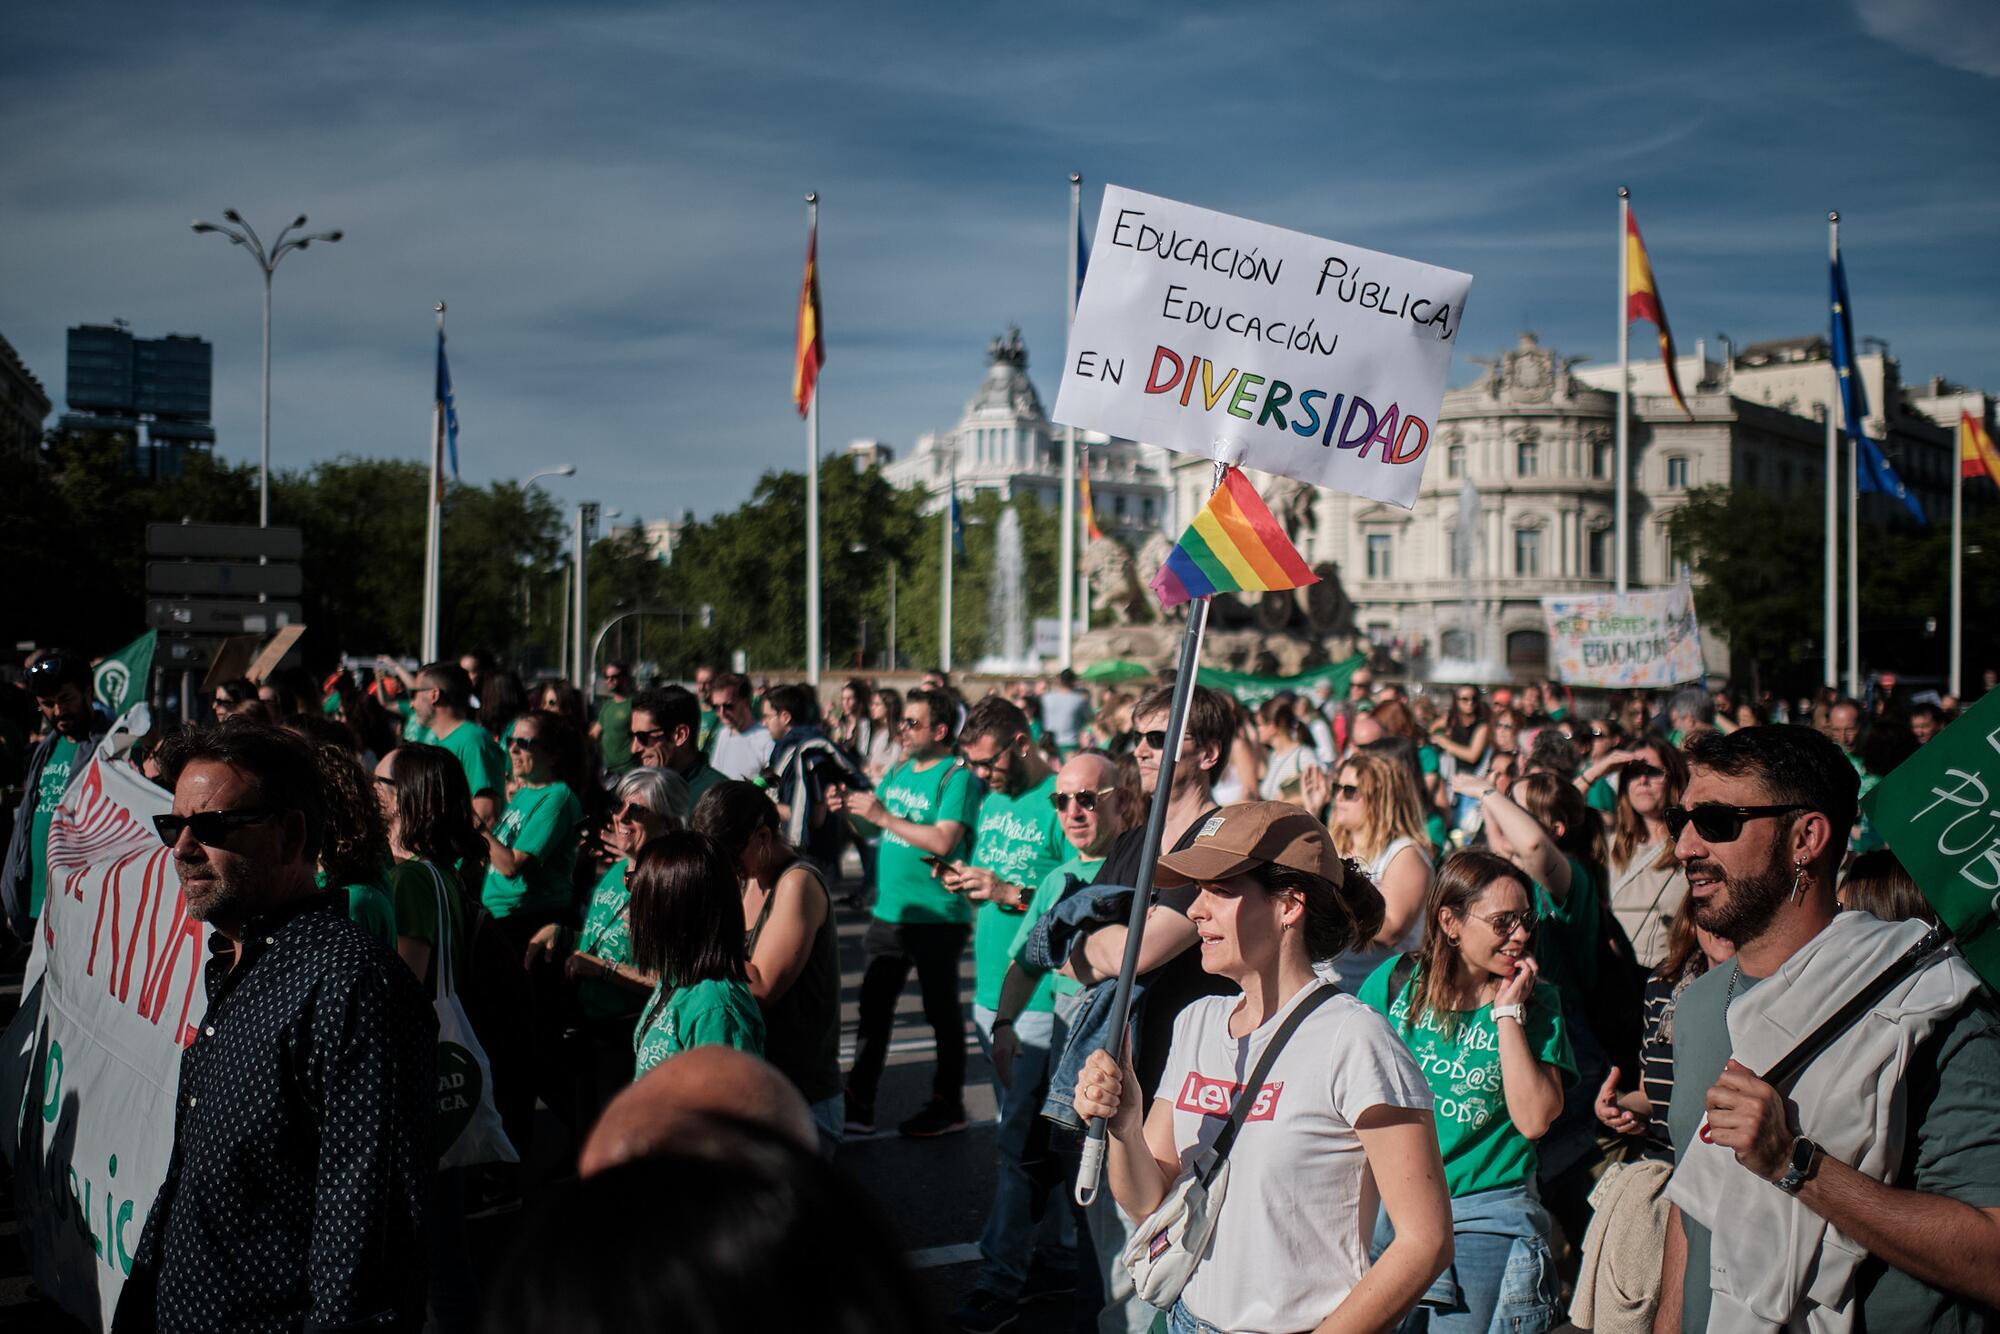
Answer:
x=611 y=198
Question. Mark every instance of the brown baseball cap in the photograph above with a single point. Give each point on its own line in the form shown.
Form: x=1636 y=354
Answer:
x=1238 y=838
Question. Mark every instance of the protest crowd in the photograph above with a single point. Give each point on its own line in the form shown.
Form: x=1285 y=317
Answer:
x=1464 y=993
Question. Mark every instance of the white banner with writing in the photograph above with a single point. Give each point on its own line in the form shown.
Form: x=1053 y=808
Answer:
x=1238 y=341
x=112 y=993
x=1629 y=641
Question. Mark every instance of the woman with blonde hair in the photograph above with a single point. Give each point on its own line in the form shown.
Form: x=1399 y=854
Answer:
x=1378 y=821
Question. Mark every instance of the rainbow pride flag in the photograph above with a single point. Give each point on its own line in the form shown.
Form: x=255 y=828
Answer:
x=1233 y=544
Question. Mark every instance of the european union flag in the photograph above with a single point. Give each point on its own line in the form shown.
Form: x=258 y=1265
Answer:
x=1872 y=469
x=957 y=527
x=445 y=404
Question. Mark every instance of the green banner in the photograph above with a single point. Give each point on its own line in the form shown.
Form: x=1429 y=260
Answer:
x=1252 y=689
x=1940 y=811
x=122 y=677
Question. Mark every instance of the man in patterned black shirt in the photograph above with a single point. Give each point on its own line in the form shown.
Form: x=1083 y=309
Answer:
x=302 y=1123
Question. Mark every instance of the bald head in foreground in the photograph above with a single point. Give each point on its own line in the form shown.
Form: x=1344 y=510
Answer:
x=685 y=1102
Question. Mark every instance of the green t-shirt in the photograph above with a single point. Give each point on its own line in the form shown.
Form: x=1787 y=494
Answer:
x=48 y=795
x=705 y=734
x=1427 y=759
x=1460 y=1056
x=1566 y=942
x=413 y=889
x=1047 y=894
x=1019 y=839
x=541 y=822
x=1602 y=796
x=607 y=935
x=904 y=888
x=713 y=1013
x=370 y=907
x=1952 y=1144
x=701 y=778
x=614 y=737
x=485 y=764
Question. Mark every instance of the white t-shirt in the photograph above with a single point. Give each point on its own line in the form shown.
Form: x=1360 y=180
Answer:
x=740 y=755
x=1292 y=1238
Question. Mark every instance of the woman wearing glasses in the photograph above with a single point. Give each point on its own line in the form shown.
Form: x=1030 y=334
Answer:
x=1378 y=821
x=609 y=986
x=1489 y=1036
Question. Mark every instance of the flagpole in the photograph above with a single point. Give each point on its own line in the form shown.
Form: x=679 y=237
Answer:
x=1831 y=604
x=812 y=492
x=944 y=610
x=434 y=528
x=1091 y=1169
x=1853 y=430
x=1066 y=599
x=1957 y=566
x=1621 y=500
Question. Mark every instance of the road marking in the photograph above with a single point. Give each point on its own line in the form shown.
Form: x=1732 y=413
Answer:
x=937 y=1257
x=903 y=1045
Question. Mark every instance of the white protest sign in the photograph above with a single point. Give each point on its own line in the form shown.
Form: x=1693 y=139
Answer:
x=1628 y=641
x=112 y=993
x=1262 y=347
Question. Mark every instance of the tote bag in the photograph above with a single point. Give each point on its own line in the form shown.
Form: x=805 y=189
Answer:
x=468 y=1124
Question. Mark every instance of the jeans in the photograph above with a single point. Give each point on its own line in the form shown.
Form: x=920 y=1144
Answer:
x=1502 y=1277
x=1012 y=1233
x=893 y=948
x=1120 y=1309
x=830 y=1120
x=1180 y=1320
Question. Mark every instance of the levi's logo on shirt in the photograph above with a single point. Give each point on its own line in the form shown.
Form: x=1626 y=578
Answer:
x=1215 y=1097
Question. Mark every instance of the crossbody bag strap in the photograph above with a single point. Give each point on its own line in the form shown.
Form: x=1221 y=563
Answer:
x=441 y=947
x=1248 y=1097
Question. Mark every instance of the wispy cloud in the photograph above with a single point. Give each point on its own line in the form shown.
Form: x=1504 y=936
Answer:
x=609 y=197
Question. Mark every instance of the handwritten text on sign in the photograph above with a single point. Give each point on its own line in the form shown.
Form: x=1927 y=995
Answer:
x=1940 y=812
x=1633 y=640
x=1231 y=339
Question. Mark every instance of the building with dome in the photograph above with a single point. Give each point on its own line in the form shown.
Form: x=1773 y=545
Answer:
x=1003 y=442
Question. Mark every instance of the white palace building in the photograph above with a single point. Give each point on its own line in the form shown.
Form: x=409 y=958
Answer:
x=1522 y=477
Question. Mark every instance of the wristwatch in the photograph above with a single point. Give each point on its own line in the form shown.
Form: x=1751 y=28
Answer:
x=1805 y=1161
x=1517 y=1012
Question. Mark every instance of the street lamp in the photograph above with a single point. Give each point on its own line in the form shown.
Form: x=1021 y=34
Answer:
x=241 y=233
x=861 y=548
x=566 y=470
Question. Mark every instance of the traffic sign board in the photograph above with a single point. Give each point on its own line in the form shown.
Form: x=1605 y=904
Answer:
x=229 y=541
x=189 y=616
x=221 y=578
x=187 y=654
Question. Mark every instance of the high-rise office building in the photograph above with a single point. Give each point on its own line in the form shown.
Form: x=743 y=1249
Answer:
x=155 y=392
x=23 y=405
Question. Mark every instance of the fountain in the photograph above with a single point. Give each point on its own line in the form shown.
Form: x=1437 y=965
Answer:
x=1475 y=664
x=1006 y=603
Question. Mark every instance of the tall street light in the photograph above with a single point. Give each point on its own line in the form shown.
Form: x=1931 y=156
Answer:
x=241 y=233
x=566 y=470
x=527 y=485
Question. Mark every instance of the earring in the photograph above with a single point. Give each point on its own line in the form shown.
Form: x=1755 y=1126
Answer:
x=1799 y=883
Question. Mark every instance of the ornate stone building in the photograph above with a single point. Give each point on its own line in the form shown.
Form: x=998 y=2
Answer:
x=1004 y=443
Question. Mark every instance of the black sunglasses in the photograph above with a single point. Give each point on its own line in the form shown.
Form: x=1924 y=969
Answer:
x=649 y=738
x=1717 y=823
x=1346 y=791
x=522 y=743
x=1503 y=923
x=210 y=828
x=633 y=812
x=1639 y=769
x=1086 y=801
x=1156 y=739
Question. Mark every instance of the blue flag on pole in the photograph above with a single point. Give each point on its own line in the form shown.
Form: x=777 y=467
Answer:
x=446 y=406
x=957 y=527
x=1872 y=469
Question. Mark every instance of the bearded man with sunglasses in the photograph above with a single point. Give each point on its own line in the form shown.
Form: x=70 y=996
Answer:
x=303 y=1149
x=1864 y=1194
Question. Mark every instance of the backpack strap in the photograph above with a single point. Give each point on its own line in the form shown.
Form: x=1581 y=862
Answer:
x=1399 y=976
x=1248 y=1097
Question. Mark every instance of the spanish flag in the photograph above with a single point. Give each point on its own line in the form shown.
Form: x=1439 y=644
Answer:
x=1976 y=455
x=1642 y=302
x=1234 y=543
x=1083 y=489
x=812 y=348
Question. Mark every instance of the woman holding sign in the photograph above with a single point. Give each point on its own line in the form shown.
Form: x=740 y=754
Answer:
x=1339 y=1117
